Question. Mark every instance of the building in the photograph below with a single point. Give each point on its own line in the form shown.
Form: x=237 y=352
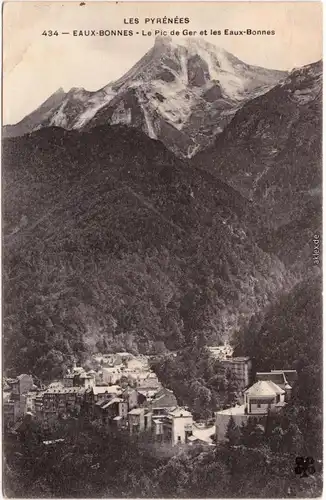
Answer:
x=132 y=397
x=241 y=368
x=270 y=393
x=110 y=374
x=285 y=379
x=152 y=412
x=21 y=385
x=79 y=378
x=163 y=402
x=139 y=420
x=85 y=380
x=15 y=397
x=201 y=434
x=147 y=395
x=100 y=393
x=262 y=397
x=30 y=400
x=174 y=428
x=224 y=351
x=38 y=406
x=112 y=410
x=59 y=403
x=11 y=410
x=68 y=380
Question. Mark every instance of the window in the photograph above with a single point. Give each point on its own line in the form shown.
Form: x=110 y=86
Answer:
x=179 y=439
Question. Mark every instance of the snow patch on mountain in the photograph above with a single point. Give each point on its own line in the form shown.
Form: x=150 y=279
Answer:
x=60 y=119
x=175 y=103
x=93 y=106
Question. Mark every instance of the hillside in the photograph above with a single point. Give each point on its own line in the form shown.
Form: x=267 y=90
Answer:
x=290 y=332
x=275 y=160
x=181 y=92
x=112 y=242
x=290 y=335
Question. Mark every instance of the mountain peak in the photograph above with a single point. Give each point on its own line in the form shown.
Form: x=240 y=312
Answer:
x=183 y=91
x=163 y=41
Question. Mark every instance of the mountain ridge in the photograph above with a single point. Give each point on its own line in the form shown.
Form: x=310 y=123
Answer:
x=183 y=93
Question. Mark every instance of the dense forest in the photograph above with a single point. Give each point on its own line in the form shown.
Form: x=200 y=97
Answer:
x=112 y=243
x=94 y=463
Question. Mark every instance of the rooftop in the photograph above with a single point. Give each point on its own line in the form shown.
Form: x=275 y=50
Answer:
x=164 y=399
x=237 y=359
x=203 y=434
x=264 y=389
x=108 y=389
x=180 y=412
x=148 y=392
x=235 y=410
x=113 y=400
x=23 y=375
x=279 y=377
x=110 y=369
x=64 y=390
x=276 y=377
x=290 y=375
x=276 y=387
x=136 y=411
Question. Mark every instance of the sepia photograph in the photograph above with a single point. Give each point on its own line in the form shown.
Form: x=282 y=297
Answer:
x=162 y=250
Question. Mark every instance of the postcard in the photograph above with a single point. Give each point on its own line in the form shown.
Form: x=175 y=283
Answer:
x=162 y=249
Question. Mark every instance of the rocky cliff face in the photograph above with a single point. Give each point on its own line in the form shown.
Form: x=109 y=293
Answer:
x=182 y=93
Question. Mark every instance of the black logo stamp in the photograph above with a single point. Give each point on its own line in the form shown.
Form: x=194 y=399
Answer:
x=304 y=466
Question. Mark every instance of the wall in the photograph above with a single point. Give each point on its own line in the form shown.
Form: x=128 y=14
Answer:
x=260 y=407
x=25 y=384
x=221 y=424
x=222 y=420
x=123 y=410
x=178 y=428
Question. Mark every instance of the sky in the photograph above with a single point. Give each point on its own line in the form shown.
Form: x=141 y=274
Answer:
x=35 y=66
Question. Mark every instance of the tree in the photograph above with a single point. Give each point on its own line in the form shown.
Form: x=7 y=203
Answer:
x=276 y=439
x=292 y=440
x=231 y=389
x=232 y=432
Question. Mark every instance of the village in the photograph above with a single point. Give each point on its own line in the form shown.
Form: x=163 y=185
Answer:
x=124 y=393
